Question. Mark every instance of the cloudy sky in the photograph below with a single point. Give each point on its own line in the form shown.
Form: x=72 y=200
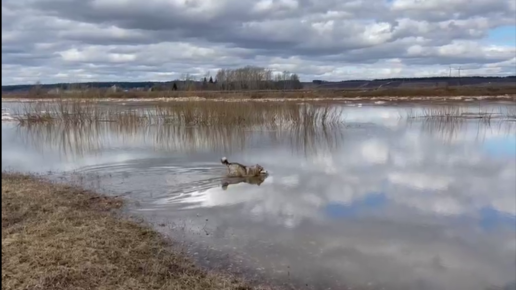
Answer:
x=130 y=40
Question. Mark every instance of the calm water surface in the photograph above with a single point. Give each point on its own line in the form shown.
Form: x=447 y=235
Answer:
x=383 y=203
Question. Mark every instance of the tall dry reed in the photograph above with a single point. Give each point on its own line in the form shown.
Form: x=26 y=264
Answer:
x=242 y=114
x=87 y=127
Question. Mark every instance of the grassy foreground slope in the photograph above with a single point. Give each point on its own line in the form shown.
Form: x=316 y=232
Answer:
x=60 y=237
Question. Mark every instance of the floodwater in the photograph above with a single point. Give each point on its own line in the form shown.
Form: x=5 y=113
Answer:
x=381 y=203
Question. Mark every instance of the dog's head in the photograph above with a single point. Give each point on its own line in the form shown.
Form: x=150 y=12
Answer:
x=255 y=170
x=261 y=170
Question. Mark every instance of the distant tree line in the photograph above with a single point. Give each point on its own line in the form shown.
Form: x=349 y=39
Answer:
x=445 y=78
x=245 y=78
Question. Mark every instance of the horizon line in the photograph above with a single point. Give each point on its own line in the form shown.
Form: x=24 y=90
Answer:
x=319 y=80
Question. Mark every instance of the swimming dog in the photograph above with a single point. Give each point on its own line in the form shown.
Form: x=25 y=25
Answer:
x=239 y=170
x=256 y=180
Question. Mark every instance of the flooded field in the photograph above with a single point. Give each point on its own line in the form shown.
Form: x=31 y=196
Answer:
x=357 y=197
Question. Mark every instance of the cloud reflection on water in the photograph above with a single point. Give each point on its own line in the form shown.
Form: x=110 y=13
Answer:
x=402 y=206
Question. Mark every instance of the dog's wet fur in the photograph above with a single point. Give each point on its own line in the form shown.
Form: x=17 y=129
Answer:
x=240 y=170
x=254 y=180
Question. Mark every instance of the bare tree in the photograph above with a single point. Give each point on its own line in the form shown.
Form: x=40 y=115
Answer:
x=188 y=82
x=256 y=78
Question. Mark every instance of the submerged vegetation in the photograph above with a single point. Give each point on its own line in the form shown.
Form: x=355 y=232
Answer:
x=448 y=122
x=449 y=130
x=452 y=113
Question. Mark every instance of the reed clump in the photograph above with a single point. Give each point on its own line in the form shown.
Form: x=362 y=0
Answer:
x=76 y=128
x=452 y=113
x=241 y=114
x=67 y=112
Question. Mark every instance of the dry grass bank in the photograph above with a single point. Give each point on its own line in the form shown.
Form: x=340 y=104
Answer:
x=465 y=91
x=58 y=237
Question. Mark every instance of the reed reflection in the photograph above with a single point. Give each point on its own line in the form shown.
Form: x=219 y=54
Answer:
x=453 y=130
x=74 y=141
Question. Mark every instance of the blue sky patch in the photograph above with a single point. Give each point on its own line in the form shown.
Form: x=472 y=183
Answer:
x=501 y=146
x=491 y=218
x=503 y=35
x=370 y=201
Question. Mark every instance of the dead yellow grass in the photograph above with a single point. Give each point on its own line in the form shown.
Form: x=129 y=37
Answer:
x=59 y=237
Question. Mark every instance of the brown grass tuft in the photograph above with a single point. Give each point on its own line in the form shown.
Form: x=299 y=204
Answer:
x=59 y=237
